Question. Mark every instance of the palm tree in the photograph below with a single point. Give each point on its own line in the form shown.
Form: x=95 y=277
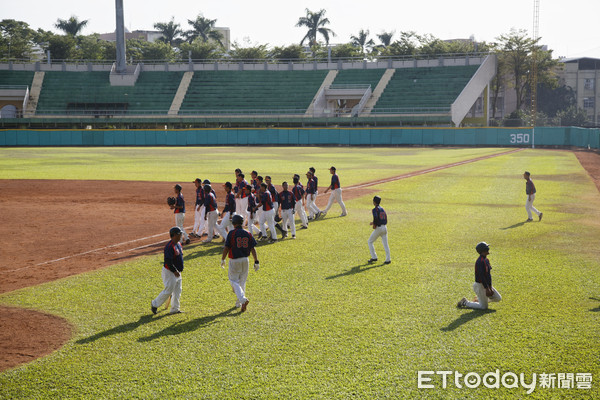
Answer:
x=71 y=26
x=385 y=38
x=204 y=29
x=362 y=42
x=315 y=23
x=169 y=30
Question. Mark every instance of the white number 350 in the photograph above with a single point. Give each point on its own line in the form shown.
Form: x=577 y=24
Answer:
x=519 y=138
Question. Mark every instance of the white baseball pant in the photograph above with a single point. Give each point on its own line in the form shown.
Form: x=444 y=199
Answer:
x=199 y=224
x=179 y=221
x=225 y=225
x=380 y=231
x=268 y=218
x=310 y=204
x=482 y=299
x=529 y=206
x=238 y=275
x=299 y=207
x=288 y=223
x=211 y=224
x=172 y=288
x=336 y=195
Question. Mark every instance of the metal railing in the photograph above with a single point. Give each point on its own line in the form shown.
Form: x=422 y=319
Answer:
x=268 y=60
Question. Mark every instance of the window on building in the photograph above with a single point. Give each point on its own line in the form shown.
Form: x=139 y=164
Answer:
x=589 y=83
x=588 y=102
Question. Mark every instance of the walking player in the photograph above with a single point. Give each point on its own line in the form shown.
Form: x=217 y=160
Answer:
x=336 y=193
x=199 y=210
x=210 y=213
x=379 y=230
x=287 y=202
x=267 y=214
x=228 y=211
x=171 y=273
x=298 y=192
x=530 y=192
x=311 y=197
x=238 y=246
x=179 y=211
x=483 y=281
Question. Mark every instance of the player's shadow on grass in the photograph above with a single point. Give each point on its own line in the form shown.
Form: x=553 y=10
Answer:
x=206 y=249
x=356 y=270
x=189 y=326
x=128 y=327
x=464 y=318
x=518 y=224
x=597 y=309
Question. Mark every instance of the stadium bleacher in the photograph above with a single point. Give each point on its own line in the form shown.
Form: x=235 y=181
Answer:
x=359 y=77
x=86 y=92
x=266 y=92
x=11 y=78
x=424 y=90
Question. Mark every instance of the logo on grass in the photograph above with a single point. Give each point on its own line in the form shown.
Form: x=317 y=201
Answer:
x=509 y=380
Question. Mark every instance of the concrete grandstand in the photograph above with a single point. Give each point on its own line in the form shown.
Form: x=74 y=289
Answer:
x=440 y=91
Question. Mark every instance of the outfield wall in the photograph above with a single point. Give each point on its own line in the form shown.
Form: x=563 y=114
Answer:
x=504 y=137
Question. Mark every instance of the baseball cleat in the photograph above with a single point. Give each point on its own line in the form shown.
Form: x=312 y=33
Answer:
x=529 y=219
x=540 y=216
x=271 y=241
x=293 y=236
x=372 y=260
x=462 y=302
x=245 y=305
x=154 y=309
x=238 y=304
x=176 y=312
x=387 y=262
x=187 y=241
x=304 y=227
x=343 y=214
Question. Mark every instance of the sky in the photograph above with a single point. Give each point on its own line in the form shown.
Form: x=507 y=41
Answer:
x=569 y=28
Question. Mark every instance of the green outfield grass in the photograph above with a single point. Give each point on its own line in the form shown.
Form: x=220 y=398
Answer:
x=322 y=323
x=218 y=163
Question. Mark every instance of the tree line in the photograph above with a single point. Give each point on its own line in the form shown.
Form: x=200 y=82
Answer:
x=201 y=41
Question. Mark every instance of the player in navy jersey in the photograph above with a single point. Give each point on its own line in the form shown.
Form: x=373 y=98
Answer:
x=228 y=211
x=251 y=210
x=171 y=273
x=298 y=192
x=199 y=224
x=241 y=198
x=239 y=244
x=210 y=214
x=287 y=202
x=379 y=225
x=530 y=192
x=311 y=196
x=483 y=281
x=336 y=193
x=267 y=214
x=179 y=211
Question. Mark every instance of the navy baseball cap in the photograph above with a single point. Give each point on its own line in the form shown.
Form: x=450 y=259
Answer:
x=206 y=182
x=178 y=186
x=197 y=180
x=228 y=184
x=175 y=231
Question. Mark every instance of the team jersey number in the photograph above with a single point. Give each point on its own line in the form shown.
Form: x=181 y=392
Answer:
x=242 y=242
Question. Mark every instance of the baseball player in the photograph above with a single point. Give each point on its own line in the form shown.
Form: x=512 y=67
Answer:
x=267 y=214
x=241 y=197
x=530 y=192
x=311 y=196
x=483 y=281
x=274 y=193
x=298 y=192
x=314 y=176
x=379 y=225
x=254 y=181
x=288 y=203
x=239 y=244
x=228 y=211
x=211 y=214
x=199 y=210
x=171 y=273
x=179 y=211
x=336 y=193
x=251 y=210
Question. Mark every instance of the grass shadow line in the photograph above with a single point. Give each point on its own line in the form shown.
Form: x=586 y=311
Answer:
x=128 y=327
x=597 y=309
x=464 y=318
x=355 y=270
x=189 y=326
x=518 y=224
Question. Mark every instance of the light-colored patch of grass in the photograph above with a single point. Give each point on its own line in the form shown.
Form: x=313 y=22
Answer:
x=322 y=323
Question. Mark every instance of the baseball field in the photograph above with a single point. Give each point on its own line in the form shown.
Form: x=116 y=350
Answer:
x=82 y=237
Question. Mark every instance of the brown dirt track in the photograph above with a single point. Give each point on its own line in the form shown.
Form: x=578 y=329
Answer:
x=56 y=229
